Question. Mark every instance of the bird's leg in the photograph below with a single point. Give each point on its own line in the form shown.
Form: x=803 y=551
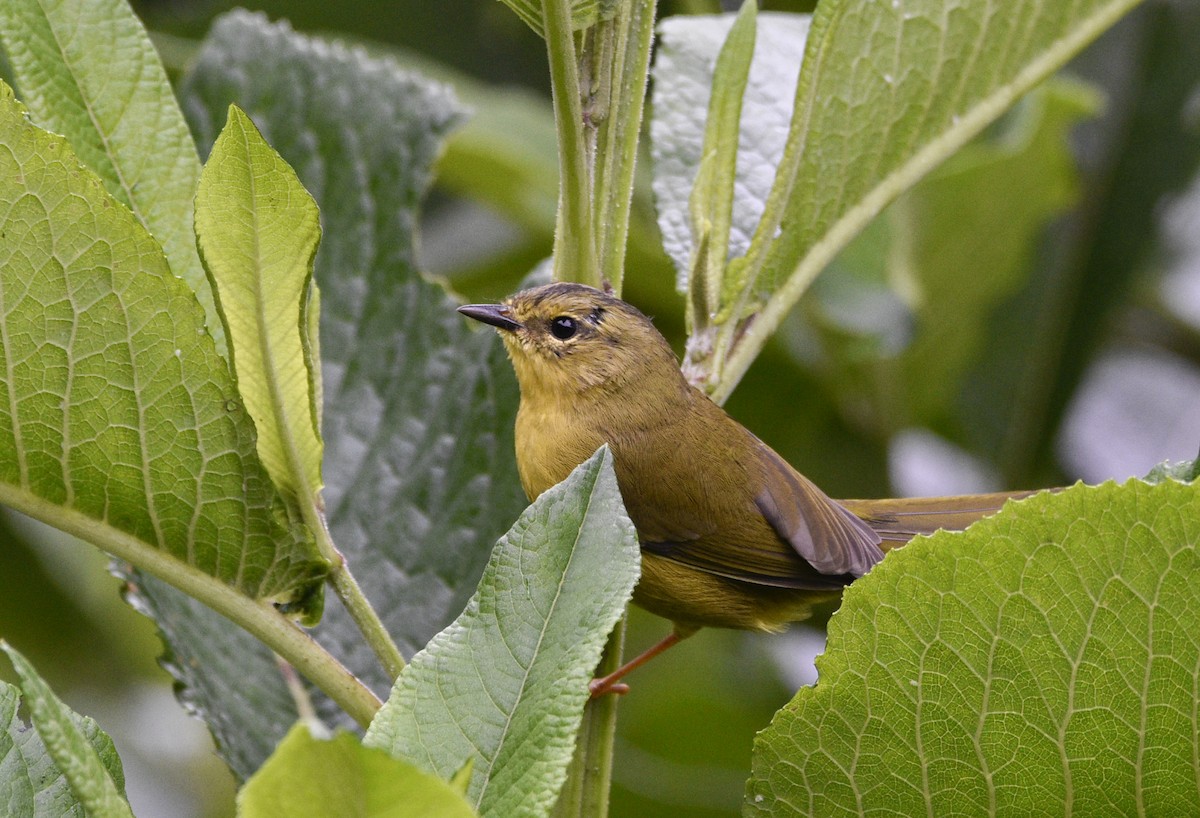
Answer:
x=612 y=682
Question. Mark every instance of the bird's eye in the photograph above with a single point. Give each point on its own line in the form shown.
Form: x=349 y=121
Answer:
x=562 y=327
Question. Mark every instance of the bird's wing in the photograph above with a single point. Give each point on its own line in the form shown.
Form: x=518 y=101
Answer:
x=827 y=535
x=809 y=541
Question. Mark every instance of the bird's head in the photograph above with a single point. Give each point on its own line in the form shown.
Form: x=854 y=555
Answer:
x=569 y=339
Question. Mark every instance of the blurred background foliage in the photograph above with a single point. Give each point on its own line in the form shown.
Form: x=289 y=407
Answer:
x=1029 y=315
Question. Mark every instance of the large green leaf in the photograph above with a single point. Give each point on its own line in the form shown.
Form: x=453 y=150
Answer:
x=886 y=92
x=74 y=749
x=87 y=70
x=338 y=776
x=504 y=686
x=418 y=410
x=118 y=419
x=257 y=229
x=1046 y=661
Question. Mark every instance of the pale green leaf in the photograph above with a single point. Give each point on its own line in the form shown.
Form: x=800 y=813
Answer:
x=70 y=748
x=887 y=91
x=87 y=70
x=31 y=784
x=683 y=79
x=258 y=229
x=506 y=683
x=584 y=13
x=710 y=204
x=1044 y=662
x=118 y=419
x=339 y=776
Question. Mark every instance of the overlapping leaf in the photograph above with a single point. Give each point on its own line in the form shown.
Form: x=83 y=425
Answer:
x=257 y=229
x=87 y=70
x=886 y=92
x=30 y=782
x=119 y=419
x=683 y=78
x=504 y=686
x=1043 y=662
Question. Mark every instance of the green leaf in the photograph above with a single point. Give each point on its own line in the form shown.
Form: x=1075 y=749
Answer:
x=118 y=419
x=710 y=204
x=87 y=70
x=71 y=748
x=30 y=782
x=584 y=13
x=419 y=460
x=258 y=229
x=506 y=683
x=339 y=776
x=1042 y=662
x=683 y=78
x=887 y=91
x=1184 y=471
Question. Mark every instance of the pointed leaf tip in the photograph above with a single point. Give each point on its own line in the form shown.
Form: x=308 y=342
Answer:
x=258 y=229
x=505 y=684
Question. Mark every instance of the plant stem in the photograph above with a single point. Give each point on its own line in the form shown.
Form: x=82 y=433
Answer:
x=574 y=243
x=630 y=33
x=350 y=593
x=589 y=778
x=257 y=616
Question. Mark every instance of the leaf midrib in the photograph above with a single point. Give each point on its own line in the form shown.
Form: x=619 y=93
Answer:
x=541 y=638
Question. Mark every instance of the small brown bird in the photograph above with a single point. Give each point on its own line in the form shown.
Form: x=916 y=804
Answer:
x=731 y=535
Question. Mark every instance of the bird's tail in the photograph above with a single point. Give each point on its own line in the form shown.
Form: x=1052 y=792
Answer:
x=898 y=521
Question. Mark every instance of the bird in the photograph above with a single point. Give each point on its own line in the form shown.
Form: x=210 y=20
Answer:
x=731 y=535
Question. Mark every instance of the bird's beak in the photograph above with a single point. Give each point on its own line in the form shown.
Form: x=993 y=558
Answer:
x=498 y=315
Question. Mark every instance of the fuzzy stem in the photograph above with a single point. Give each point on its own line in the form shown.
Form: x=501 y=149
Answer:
x=630 y=33
x=574 y=243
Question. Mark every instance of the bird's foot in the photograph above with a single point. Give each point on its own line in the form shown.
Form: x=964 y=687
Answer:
x=607 y=685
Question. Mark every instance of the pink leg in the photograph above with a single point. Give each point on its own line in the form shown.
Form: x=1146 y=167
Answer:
x=612 y=684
